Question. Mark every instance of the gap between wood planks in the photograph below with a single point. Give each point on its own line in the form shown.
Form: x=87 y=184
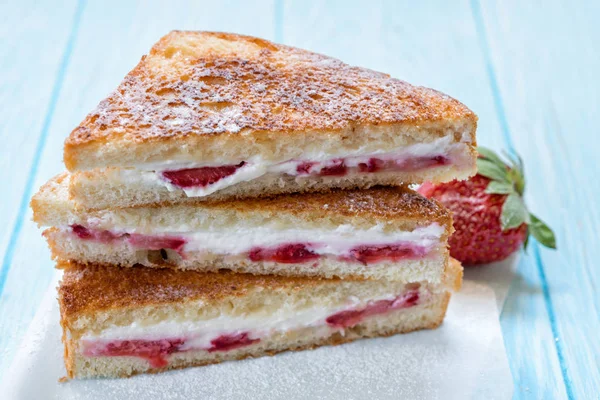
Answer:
x=56 y=89
x=481 y=33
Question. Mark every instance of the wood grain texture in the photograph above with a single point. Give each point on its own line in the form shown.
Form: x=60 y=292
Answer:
x=528 y=69
x=34 y=43
x=546 y=66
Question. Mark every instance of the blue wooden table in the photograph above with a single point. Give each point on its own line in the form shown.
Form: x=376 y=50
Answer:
x=529 y=69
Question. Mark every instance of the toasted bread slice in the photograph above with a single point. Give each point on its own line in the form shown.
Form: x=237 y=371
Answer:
x=119 y=322
x=271 y=118
x=380 y=233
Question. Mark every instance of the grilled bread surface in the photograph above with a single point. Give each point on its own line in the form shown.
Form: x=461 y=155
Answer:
x=218 y=96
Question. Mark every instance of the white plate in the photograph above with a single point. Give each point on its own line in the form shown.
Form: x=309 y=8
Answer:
x=463 y=359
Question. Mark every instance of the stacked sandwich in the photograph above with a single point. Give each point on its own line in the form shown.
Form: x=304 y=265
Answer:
x=234 y=198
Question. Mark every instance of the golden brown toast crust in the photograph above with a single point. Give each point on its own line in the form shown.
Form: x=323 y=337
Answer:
x=379 y=202
x=193 y=86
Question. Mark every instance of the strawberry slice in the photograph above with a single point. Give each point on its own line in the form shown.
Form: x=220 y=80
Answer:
x=373 y=254
x=304 y=168
x=82 y=232
x=155 y=351
x=338 y=168
x=92 y=234
x=231 y=342
x=203 y=176
x=373 y=165
x=418 y=163
x=348 y=318
x=286 y=254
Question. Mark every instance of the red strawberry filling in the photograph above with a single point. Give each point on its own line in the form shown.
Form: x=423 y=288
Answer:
x=304 y=168
x=339 y=167
x=92 y=234
x=203 y=176
x=417 y=163
x=230 y=342
x=287 y=254
x=334 y=168
x=349 y=318
x=145 y=242
x=395 y=252
x=155 y=351
x=373 y=165
x=156 y=242
x=368 y=254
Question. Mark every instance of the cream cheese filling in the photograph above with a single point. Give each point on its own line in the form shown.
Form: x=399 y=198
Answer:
x=199 y=333
x=333 y=242
x=337 y=242
x=256 y=167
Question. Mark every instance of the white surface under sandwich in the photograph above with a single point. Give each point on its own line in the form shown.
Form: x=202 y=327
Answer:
x=463 y=359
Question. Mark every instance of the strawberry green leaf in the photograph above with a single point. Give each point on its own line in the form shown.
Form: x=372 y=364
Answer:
x=526 y=243
x=519 y=163
x=512 y=158
x=490 y=155
x=518 y=180
x=490 y=170
x=496 y=187
x=516 y=162
x=514 y=212
x=542 y=232
x=516 y=173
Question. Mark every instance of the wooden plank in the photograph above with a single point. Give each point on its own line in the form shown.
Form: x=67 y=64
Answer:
x=35 y=42
x=439 y=46
x=107 y=46
x=529 y=339
x=546 y=64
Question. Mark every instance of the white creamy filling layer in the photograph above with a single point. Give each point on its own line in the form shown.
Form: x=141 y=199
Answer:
x=151 y=174
x=334 y=242
x=337 y=242
x=199 y=333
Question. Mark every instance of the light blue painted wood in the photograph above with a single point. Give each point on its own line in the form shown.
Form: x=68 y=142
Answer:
x=546 y=64
x=33 y=39
x=108 y=44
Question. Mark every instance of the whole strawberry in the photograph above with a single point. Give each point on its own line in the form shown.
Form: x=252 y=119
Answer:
x=491 y=220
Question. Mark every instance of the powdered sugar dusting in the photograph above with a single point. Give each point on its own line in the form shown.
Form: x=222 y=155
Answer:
x=210 y=83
